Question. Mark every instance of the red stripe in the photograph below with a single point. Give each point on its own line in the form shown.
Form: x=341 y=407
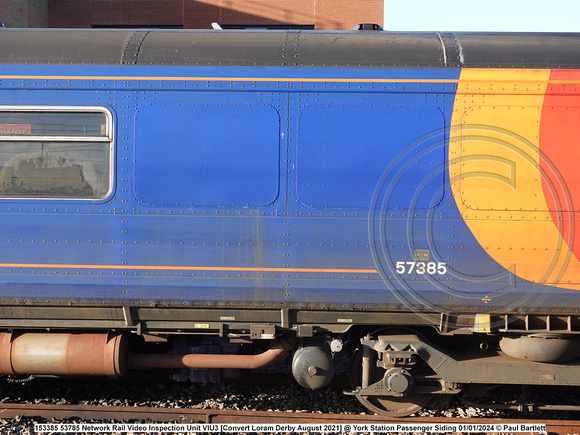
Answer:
x=560 y=154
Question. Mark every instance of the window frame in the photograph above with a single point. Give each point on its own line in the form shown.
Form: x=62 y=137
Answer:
x=108 y=137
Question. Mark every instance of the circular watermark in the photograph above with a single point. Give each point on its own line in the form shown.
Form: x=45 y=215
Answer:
x=421 y=241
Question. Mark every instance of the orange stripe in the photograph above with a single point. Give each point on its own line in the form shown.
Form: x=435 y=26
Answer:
x=489 y=83
x=196 y=268
x=230 y=79
x=497 y=86
x=289 y=79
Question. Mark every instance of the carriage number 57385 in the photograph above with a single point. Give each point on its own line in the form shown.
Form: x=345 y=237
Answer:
x=421 y=268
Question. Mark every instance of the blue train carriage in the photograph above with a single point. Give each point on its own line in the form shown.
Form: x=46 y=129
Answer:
x=169 y=197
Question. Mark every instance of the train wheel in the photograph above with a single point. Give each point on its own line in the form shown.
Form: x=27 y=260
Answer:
x=404 y=406
x=395 y=406
x=387 y=405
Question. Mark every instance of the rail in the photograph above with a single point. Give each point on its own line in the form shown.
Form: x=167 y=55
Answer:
x=192 y=415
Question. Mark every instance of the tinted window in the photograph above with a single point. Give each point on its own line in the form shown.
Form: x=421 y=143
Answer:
x=55 y=153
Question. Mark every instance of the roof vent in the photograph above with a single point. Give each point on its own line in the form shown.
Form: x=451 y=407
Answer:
x=367 y=26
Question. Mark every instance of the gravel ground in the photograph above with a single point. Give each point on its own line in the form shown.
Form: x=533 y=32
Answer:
x=227 y=396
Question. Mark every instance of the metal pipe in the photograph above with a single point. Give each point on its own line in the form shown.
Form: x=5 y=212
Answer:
x=212 y=361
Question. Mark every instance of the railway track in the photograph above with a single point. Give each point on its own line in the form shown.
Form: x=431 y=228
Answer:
x=89 y=413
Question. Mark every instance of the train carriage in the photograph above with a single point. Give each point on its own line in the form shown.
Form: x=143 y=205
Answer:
x=407 y=198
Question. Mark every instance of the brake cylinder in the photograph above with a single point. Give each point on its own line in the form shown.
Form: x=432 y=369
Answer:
x=90 y=354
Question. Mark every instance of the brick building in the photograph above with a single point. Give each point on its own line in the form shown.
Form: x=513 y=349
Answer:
x=191 y=14
x=24 y=13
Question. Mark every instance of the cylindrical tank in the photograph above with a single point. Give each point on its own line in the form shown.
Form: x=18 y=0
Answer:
x=84 y=354
x=549 y=349
x=313 y=367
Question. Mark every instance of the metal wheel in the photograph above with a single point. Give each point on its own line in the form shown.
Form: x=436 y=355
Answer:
x=395 y=406
x=385 y=405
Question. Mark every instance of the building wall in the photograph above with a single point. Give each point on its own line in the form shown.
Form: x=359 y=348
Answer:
x=24 y=13
x=192 y=14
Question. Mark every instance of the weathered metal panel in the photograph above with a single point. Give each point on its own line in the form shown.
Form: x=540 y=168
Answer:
x=289 y=48
x=215 y=153
x=519 y=50
x=62 y=46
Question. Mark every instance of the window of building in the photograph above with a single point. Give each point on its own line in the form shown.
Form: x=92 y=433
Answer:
x=266 y=26
x=55 y=152
x=128 y=26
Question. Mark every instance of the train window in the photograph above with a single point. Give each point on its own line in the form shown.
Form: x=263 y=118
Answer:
x=53 y=123
x=55 y=152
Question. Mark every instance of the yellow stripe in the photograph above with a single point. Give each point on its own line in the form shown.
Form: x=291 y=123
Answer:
x=192 y=268
x=495 y=176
